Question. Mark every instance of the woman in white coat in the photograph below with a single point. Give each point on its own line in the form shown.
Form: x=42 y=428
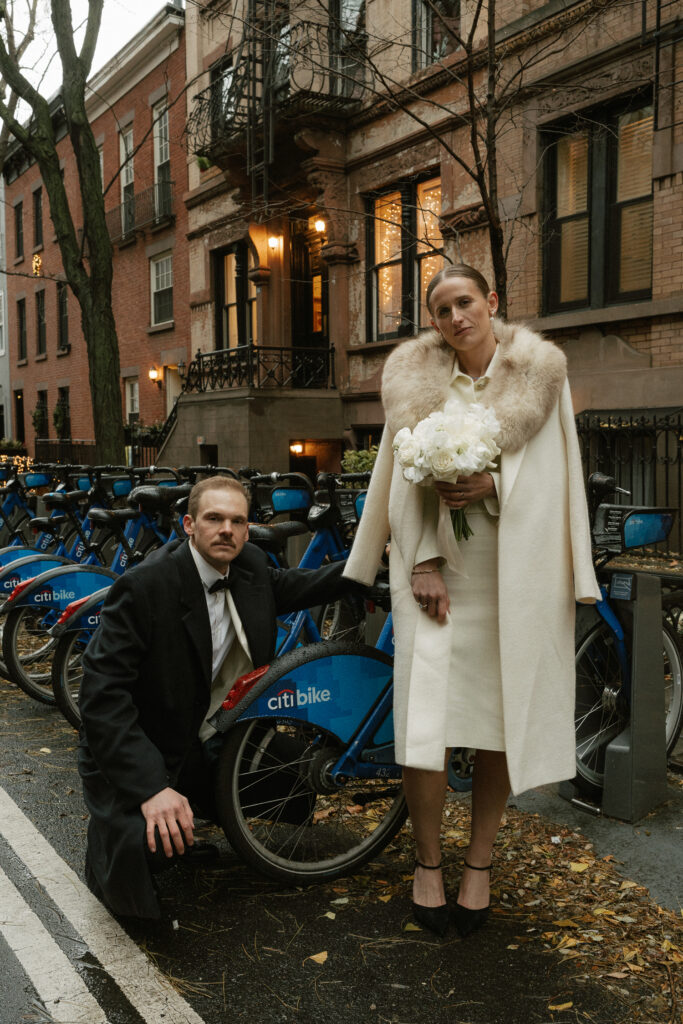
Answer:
x=485 y=628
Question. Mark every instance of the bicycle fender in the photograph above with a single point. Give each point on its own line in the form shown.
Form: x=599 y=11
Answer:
x=332 y=684
x=11 y=554
x=87 y=618
x=26 y=568
x=59 y=586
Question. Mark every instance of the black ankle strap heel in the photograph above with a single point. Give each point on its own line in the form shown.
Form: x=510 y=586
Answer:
x=434 y=918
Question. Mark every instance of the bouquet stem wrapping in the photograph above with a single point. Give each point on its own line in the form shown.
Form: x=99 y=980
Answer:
x=461 y=527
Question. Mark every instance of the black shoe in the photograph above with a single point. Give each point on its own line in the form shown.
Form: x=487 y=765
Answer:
x=199 y=854
x=434 y=918
x=467 y=920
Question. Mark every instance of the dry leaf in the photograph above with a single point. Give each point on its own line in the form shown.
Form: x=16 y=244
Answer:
x=628 y=885
x=318 y=958
x=45 y=750
x=411 y=927
x=578 y=866
x=384 y=899
x=560 y=1006
x=331 y=915
x=567 y=923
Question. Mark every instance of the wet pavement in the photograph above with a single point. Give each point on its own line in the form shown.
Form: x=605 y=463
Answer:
x=238 y=947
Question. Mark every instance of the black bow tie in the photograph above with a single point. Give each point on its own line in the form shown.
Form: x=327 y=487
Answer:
x=224 y=583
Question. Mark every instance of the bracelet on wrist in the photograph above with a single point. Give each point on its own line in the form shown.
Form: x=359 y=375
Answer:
x=422 y=572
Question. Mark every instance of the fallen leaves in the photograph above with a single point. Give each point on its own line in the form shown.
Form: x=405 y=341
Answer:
x=317 y=958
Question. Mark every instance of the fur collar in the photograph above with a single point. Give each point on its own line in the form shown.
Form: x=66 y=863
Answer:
x=524 y=387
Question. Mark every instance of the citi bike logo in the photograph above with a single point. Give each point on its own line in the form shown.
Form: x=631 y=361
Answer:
x=11 y=583
x=298 y=698
x=93 y=620
x=54 y=595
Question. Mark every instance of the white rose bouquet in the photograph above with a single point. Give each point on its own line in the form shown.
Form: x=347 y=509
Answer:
x=458 y=441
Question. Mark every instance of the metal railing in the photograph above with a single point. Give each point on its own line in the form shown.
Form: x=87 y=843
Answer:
x=151 y=206
x=260 y=366
x=81 y=453
x=644 y=453
x=307 y=69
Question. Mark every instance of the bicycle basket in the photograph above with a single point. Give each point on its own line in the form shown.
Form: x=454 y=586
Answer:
x=620 y=527
x=289 y=499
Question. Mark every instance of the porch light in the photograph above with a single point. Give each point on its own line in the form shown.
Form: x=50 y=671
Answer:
x=154 y=376
x=296 y=448
x=181 y=369
x=274 y=242
x=320 y=225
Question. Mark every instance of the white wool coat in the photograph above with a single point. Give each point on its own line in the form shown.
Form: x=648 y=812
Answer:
x=544 y=553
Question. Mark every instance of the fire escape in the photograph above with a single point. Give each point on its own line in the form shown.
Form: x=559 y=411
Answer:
x=285 y=73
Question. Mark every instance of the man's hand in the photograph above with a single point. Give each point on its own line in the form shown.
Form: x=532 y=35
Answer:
x=166 y=811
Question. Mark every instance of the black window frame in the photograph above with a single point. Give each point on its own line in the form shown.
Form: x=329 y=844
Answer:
x=420 y=10
x=64 y=402
x=409 y=259
x=41 y=323
x=38 y=217
x=243 y=301
x=600 y=125
x=19 y=230
x=22 y=349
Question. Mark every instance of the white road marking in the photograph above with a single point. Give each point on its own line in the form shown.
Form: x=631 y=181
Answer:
x=62 y=990
x=144 y=986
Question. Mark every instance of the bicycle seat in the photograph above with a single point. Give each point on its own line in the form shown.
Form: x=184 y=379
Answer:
x=47 y=524
x=274 y=538
x=152 y=498
x=109 y=516
x=62 y=499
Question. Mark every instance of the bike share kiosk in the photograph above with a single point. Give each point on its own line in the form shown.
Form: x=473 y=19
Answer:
x=635 y=763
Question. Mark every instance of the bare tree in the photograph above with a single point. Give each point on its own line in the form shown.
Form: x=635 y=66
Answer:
x=89 y=278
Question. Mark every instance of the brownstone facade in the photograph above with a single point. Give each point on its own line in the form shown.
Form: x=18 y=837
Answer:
x=369 y=114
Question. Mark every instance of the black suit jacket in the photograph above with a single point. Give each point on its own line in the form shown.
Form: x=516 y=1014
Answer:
x=146 y=689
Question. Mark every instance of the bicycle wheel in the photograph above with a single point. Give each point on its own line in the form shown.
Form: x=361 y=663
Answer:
x=672 y=612
x=283 y=814
x=341 y=620
x=601 y=710
x=67 y=674
x=27 y=651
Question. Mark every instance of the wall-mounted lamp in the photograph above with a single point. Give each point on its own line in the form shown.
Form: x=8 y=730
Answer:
x=297 y=447
x=181 y=367
x=320 y=225
x=154 y=376
x=274 y=242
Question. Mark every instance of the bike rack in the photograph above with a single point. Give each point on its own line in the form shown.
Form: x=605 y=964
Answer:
x=635 y=761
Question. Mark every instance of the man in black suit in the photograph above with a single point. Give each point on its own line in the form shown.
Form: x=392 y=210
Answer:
x=175 y=633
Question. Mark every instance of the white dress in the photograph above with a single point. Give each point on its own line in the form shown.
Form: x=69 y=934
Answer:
x=474 y=706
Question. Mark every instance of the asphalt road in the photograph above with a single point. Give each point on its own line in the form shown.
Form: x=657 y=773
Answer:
x=233 y=946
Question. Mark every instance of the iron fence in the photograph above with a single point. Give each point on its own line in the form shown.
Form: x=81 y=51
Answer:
x=260 y=366
x=77 y=453
x=644 y=453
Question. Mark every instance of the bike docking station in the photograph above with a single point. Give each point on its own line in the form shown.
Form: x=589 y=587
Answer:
x=635 y=761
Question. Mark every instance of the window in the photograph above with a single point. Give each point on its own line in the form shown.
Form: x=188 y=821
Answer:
x=19 y=231
x=598 y=240
x=222 y=97
x=162 y=161
x=62 y=316
x=236 y=297
x=41 y=330
x=132 y=396
x=38 y=217
x=434 y=22
x=2 y=328
x=162 y=289
x=405 y=247
x=21 y=330
x=127 y=181
x=347 y=44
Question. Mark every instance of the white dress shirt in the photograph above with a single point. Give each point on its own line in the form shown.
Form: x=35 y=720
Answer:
x=222 y=626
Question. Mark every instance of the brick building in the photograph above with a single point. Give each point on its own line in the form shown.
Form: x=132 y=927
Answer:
x=328 y=190
x=137 y=110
